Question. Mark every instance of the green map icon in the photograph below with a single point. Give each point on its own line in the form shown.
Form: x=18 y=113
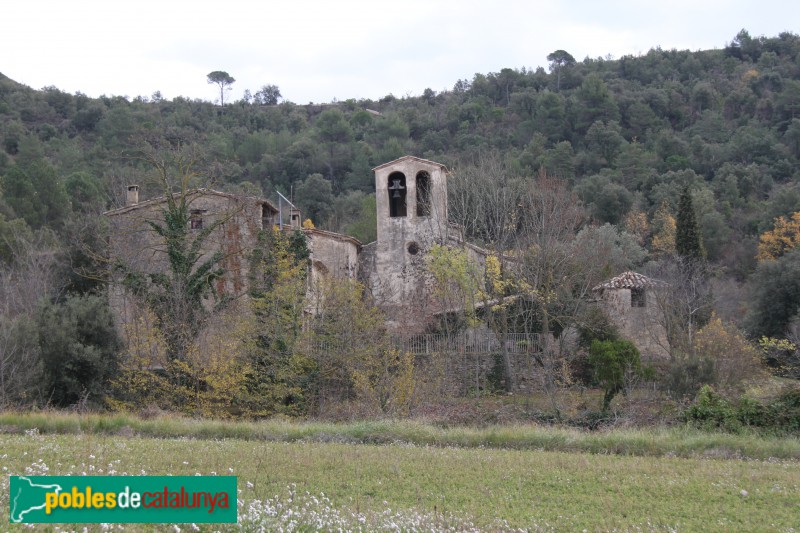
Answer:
x=28 y=498
x=122 y=499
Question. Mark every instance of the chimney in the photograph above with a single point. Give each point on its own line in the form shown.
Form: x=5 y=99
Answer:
x=133 y=195
x=294 y=218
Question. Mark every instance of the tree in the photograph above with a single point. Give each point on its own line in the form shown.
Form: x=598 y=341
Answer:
x=20 y=362
x=267 y=95
x=223 y=80
x=483 y=197
x=688 y=239
x=79 y=347
x=551 y=116
x=612 y=250
x=614 y=363
x=549 y=217
x=315 y=198
x=783 y=238
x=334 y=131
x=664 y=228
x=609 y=201
x=36 y=194
x=593 y=101
x=735 y=359
x=346 y=339
x=278 y=375
x=365 y=227
x=605 y=140
x=775 y=288
x=176 y=294
x=684 y=302
x=558 y=60
x=29 y=265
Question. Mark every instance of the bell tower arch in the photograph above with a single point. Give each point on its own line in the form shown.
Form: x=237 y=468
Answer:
x=411 y=201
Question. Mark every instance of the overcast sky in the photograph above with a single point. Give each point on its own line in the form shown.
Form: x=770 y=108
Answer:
x=317 y=51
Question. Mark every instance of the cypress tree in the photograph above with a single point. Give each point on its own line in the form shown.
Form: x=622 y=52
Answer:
x=688 y=240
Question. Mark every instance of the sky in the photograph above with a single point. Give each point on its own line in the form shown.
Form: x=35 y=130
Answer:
x=321 y=51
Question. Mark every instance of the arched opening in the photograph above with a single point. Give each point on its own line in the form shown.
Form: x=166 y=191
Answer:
x=397 y=194
x=423 y=194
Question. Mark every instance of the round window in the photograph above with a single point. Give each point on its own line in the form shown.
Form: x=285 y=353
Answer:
x=413 y=248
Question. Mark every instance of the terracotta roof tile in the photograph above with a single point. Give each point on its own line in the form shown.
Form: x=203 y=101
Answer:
x=629 y=280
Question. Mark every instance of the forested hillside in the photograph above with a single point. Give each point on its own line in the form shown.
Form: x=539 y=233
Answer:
x=628 y=135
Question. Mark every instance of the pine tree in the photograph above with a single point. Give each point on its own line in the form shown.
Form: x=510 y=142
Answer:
x=688 y=240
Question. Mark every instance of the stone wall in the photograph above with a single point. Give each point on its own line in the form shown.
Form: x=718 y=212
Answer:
x=644 y=326
x=134 y=243
x=395 y=267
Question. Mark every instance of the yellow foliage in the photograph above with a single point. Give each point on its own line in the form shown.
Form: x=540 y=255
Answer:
x=750 y=75
x=146 y=346
x=459 y=283
x=388 y=380
x=784 y=238
x=308 y=224
x=636 y=224
x=208 y=381
x=735 y=359
x=771 y=343
x=664 y=228
x=498 y=284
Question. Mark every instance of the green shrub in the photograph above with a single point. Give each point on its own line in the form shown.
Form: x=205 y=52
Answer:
x=685 y=376
x=712 y=411
x=595 y=325
x=614 y=363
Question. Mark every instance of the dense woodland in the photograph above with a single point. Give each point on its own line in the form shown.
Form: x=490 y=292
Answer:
x=632 y=139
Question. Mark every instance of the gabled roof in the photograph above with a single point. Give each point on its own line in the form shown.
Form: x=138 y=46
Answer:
x=325 y=234
x=410 y=158
x=630 y=280
x=193 y=192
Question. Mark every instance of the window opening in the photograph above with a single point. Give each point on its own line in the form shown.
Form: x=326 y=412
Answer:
x=423 y=194
x=638 y=298
x=266 y=217
x=397 y=194
x=196 y=218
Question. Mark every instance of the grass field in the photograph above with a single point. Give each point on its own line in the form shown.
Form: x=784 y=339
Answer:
x=308 y=484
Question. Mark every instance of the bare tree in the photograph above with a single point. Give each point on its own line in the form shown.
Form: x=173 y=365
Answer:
x=27 y=280
x=484 y=200
x=685 y=301
x=167 y=256
x=530 y=226
x=557 y=283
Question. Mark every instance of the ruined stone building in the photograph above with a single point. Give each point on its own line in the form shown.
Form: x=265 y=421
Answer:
x=630 y=302
x=411 y=200
x=411 y=217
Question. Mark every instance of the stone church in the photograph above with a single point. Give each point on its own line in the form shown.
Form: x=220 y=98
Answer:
x=411 y=198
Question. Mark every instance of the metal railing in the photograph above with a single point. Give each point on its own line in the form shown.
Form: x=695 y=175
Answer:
x=468 y=343
x=458 y=343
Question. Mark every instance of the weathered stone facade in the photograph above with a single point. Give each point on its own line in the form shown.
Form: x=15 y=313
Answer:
x=411 y=198
x=630 y=302
x=134 y=243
